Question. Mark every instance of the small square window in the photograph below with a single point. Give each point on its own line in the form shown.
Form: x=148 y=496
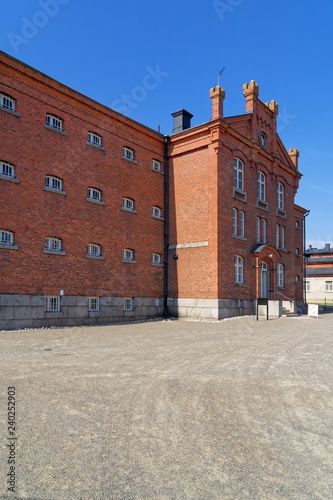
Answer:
x=52 y=304
x=156 y=165
x=94 y=250
x=128 y=203
x=7 y=102
x=94 y=194
x=7 y=237
x=95 y=139
x=54 y=122
x=93 y=303
x=128 y=153
x=157 y=212
x=128 y=304
x=53 y=183
x=7 y=170
x=156 y=258
x=53 y=244
x=128 y=254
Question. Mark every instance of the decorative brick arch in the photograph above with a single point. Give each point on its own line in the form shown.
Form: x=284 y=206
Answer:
x=270 y=255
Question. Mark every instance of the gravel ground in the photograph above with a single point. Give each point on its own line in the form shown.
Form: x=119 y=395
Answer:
x=236 y=409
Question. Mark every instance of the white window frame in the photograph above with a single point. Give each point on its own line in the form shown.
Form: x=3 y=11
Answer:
x=156 y=165
x=239 y=269
x=280 y=196
x=283 y=236
x=6 y=237
x=242 y=223
x=156 y=212
x=128 y=254
x=128 y=203
x=128 y=153
x=7 y=102
x=329 y=286
x=7 y=170
x=280 y=275
x=238 y=174
x=234 y=221
x=95 y=139
x=54 y=122
x=261 y=186
x=53 y=244
x=156 y=258
x=94 y=250
x=258 y=229
x=94 y=194
x=277 y=236
x=53 y=182
x=93 y=304
x=264 y=231
x=128 y=304
x=52 y=304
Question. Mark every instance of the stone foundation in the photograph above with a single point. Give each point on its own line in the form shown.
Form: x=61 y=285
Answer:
x=28 y=311
x=210 y=308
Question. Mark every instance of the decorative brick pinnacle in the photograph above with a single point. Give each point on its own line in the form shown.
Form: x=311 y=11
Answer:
x=217 y=91
x=251 y=88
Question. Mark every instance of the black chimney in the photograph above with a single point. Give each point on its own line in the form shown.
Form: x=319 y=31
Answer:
x=181 y=120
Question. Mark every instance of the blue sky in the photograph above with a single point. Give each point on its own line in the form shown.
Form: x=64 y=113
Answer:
x=163 y=56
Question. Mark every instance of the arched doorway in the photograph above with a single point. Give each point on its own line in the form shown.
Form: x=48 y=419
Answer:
x=264 y=279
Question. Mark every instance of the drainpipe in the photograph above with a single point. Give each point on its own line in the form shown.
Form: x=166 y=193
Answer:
x=304 y=258
x=166 y=225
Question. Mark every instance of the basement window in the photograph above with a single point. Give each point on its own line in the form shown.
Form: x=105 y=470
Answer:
x=52 y=304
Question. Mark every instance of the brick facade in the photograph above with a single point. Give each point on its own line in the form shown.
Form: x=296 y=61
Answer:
x=200 y=219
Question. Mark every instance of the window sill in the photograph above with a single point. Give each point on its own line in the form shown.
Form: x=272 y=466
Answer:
x=238 y=237
x=157 y=218
x=15 y=113
x=263 y=205
x=161 y=264
x=54 y=252
x=95 y=146
x=281 y=213
x=157 y=171
x=129 y=159
x=8 y=247
x=239 y=194
x=129 y=210
x=127 y=261
x=284 y=250
x=95 y=257
x=61 y=132
x=240 y=284
x=10 y=179
x=56 y=191
x=129 y=311
x=98 y=202
x=282 y=288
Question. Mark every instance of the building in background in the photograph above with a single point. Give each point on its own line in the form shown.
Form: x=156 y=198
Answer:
x=91 y=201
x=319 y=274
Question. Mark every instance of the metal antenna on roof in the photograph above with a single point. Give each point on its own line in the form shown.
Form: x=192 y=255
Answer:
x=218 y=76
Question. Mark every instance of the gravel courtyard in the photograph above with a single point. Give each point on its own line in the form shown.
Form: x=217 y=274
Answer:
x=236 y=409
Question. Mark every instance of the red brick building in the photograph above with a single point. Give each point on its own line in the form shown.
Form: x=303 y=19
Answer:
x=89 y=196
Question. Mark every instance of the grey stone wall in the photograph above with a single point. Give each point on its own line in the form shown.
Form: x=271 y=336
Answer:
x=210 y=308
x=28 y=311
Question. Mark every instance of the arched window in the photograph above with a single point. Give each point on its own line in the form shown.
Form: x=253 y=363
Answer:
x=7 y=102
x=238 y=269
x=261 y=186
x=280 y=275
x=238 y=174
x=280 y=196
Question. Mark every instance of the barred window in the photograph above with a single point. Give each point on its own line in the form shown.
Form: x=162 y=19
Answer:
x=94 y=139
x=94 y=194
x=7 y=170
x=52 y=304
x=7 y=102
x=6 y=237
x=93 y=303
x=128 y=153
x=53 y=244
x=53 y=182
